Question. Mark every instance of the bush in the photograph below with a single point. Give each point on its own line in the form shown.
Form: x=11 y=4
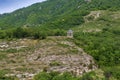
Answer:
x=65 y=76
x=2 y=34
x=112 y=72
x=55 y=76
x=42 y=76
x=59 y=32
x=92 y=76
x=55 y=63
x=39 y=35
x=3 y=77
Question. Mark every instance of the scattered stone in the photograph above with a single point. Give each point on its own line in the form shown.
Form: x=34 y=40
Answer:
x=52 y=54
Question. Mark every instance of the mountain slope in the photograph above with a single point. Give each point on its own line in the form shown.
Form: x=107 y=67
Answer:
x=28 y=57
x=55 y=12
x=96 y=26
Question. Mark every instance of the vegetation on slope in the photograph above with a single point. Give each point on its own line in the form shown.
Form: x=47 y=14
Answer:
x=98 y=37
x=55 y=13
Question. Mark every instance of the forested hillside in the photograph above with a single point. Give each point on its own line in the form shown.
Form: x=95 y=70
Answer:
x=96 y=26
x=55 y=13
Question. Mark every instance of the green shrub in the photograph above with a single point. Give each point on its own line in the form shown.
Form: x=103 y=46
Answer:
x=55 y=63
x=39 y=35
x=55 y=76
x=112 y=72
x=42 y=76
x=3 y=77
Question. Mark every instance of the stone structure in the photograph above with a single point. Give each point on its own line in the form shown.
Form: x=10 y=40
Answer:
x=70 y=33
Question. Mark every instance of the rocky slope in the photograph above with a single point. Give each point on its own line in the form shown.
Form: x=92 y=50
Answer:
x=52 y=54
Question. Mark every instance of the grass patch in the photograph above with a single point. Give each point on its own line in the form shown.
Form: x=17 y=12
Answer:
x=63 y=45
x=3 y=56
x=55 y=63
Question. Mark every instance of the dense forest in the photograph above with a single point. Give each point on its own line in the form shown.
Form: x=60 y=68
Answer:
x=55 y=17
x=52 y=13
